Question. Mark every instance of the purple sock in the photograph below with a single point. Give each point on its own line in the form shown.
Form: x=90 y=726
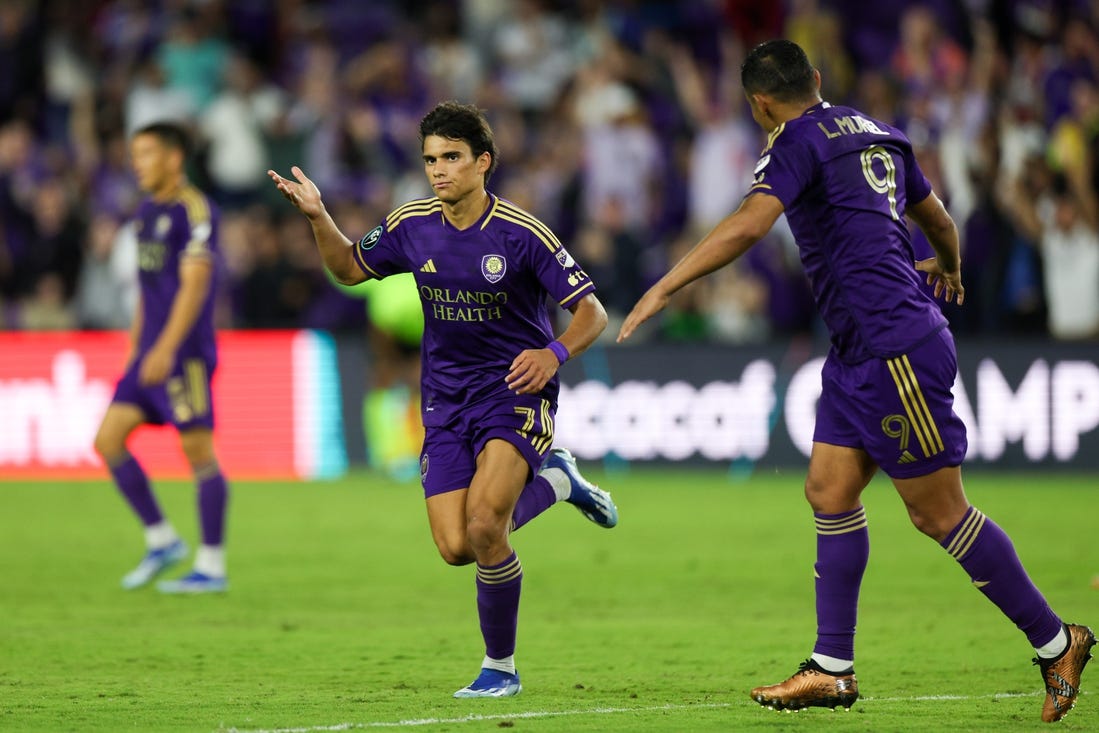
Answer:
x=537 y=497
x=498 y=605
x=986 y=553
x=213 y=493
x=843 y=547
x=134 y=485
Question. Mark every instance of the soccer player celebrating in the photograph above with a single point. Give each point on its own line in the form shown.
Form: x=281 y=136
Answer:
x=846 y=183
x=173 y=356
x=483 y=269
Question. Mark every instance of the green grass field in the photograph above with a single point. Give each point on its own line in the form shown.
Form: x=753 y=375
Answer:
x=341 y=616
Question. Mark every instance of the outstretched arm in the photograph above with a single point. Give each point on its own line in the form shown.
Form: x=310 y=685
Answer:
x=336 y=249
x=729 y=239
x=944 y=270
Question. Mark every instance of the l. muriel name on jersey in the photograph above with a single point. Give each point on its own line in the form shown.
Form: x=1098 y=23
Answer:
x=851 y=125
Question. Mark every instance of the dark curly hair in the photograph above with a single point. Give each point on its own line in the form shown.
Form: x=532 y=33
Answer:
x=464 y=122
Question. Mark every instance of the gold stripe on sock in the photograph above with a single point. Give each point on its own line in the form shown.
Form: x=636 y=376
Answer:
x=842 y=525
x=495 y=576
x=963 y=540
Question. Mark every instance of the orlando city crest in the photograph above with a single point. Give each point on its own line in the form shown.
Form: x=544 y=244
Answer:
x=493 y=267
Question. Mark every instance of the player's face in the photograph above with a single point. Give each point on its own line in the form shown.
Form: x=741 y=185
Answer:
x=155 y=164
x=451 y=169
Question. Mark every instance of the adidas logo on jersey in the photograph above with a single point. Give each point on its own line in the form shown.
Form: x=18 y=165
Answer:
x=428 y=266
x=906 y=457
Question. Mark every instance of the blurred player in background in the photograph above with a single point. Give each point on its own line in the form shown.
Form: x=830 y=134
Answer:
x=489 y=383
x=845 y=183
x=172 y=359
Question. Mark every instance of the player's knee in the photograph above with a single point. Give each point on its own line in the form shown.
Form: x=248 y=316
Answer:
x=930 y=524
x=199 y=450
x=817 y=494
x=454 y=552
x=486 y=529
x=109 y=447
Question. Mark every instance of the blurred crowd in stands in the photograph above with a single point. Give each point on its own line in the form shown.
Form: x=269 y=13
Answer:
x=620 y=123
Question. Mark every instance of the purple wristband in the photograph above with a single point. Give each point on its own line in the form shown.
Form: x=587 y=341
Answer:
x=559 y=351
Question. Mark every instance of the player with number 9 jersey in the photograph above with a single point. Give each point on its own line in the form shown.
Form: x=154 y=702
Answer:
x=845 y=180
x=847 y=185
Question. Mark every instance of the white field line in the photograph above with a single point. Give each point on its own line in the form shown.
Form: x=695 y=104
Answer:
x=412 y=723
x=476 y=718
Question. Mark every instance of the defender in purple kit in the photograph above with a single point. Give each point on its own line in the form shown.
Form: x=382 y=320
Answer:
x=484 y=269
x=846 y=183
x=172 y=359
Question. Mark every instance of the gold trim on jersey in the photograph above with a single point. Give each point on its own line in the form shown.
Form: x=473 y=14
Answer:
x=908 y=388
x=419 y=207
x=514 y=214
x=771 y=137
x=495 y=204
x=368 y=268
x=574 y=293
x=535 y=232
x=196 y=205
x=197 y=209
x=357 y=255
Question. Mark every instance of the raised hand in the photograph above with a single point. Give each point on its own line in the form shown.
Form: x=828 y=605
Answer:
x=304 y=194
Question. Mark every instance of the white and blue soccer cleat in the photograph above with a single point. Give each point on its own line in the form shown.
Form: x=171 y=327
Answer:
x=492 y=683
x=154 y=563
x=194 y=582
x=592 y=501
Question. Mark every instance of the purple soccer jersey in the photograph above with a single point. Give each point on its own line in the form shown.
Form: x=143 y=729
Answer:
x=845 y=180
x=166 y=233
x=484 y=294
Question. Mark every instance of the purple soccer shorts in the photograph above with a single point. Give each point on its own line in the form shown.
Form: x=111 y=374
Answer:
x=449 y=456
x=899 y=410
x=183 y=399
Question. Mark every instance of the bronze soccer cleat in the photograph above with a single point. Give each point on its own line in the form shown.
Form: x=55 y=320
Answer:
x=810 y=687
x=1062 y=675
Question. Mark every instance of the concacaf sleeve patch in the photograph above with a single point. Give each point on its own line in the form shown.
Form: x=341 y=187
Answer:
x=371 y=238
